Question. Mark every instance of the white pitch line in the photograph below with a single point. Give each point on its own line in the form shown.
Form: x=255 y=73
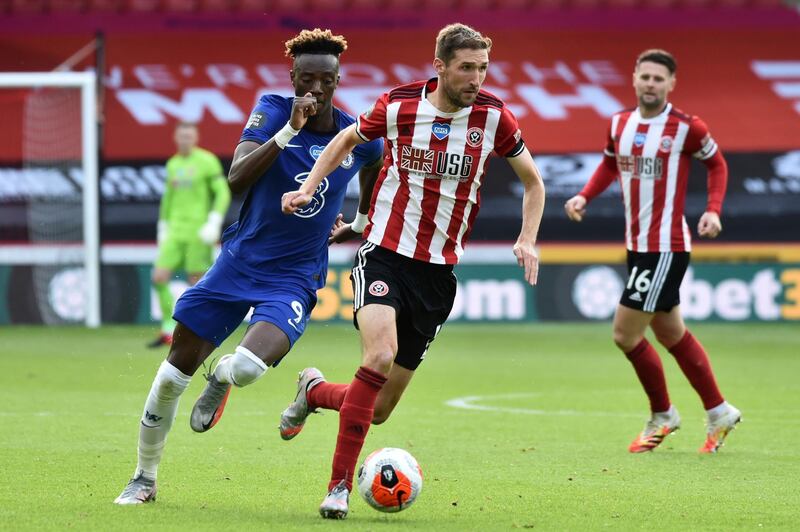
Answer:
x=469 y=403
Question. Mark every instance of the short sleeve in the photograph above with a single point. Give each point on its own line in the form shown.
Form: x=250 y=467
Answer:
x=371 y=125
x=699 y=142
x=508 y=138
x=268 y=116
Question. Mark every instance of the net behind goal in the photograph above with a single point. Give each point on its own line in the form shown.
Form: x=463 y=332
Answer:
x=49 y=192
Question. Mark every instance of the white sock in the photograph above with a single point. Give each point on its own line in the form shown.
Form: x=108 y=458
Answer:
x=159 y=413
x=714 y=413
x=241 y=368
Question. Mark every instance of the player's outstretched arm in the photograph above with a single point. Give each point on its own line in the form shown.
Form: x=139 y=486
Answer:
x=251 y=159
x=332 y=156
x=367 y=177
x=532 y=209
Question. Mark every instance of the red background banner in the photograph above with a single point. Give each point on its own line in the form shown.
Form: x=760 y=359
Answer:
x=561 y=84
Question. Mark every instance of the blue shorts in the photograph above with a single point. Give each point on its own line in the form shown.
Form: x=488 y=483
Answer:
x=217 y=304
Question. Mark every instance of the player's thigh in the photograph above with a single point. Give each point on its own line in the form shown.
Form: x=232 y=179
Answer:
x=396 y=384
x=430 y=291
x=171 y=254
x=198 y=257
x=378 y=330
x=267 y=341
x=188 y=350
x=287 y=310
x=213 y=308
x=669 y=327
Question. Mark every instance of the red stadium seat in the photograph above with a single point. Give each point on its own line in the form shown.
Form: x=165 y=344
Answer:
x=549 y=4
x=633 y=3
x=403 y=5
x=477 y=5
x=440 y=5
x=143 y=6
x=366 y=5
x=216 y=6
x=587 y=4
x=179 y=6
x=105 y=6
x=252 y=6
x=328 y=5
x=67 y=6
x=28 y=6
x=290 y=5
x=515 y=4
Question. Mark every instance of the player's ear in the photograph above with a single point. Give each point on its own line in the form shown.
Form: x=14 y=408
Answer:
x=439 y=66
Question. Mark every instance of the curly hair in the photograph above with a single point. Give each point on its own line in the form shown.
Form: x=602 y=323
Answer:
x=315 y=41
x=459 y=36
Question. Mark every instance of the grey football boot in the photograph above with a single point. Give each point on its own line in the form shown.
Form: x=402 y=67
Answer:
x=208 y=408
x=138 y=491
x=335 y=504
x=294 y=417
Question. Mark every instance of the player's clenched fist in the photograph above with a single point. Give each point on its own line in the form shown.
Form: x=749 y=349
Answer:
x=576 y=208
x=292 y=201
x=302 y=108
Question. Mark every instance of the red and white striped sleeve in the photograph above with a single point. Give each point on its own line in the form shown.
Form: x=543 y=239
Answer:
x=372 y=124
x=508 y=140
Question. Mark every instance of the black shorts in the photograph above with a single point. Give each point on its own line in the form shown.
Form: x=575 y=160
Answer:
x=421 y=293
x=654 y=280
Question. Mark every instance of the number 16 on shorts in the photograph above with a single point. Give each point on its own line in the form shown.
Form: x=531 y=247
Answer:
x=654 y=280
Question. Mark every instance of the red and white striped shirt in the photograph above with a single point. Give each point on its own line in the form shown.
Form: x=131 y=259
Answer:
x=427 y=194
x=653 y=156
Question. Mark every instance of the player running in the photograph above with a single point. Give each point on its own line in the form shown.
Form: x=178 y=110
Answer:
x=649 y=149
x=439 y=135
x=269 y=261
x=196 y=198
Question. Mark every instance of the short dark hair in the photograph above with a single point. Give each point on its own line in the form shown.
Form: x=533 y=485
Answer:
x=315 y=41
x=457 y=37
x=656 y=55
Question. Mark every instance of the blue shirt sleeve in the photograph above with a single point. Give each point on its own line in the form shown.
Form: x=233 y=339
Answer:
x=268 y=116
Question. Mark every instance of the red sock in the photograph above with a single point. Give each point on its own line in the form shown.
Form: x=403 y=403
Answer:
x=355 y=417
x=648 y=368
x=328 y=395
x=694 y=363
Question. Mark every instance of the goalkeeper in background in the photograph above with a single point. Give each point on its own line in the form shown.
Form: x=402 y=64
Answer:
x=196 y=197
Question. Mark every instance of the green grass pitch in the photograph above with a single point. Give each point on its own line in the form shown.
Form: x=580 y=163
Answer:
x=544 y=445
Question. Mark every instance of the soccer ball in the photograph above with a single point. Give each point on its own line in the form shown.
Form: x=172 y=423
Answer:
x=390 y=480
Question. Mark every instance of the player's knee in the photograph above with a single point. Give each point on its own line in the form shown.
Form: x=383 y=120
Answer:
x=170 y=382
x=380 y=359
x=246 y=367
x=623 y=340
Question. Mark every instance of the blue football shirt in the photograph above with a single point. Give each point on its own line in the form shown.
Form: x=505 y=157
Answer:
x=270 y=246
